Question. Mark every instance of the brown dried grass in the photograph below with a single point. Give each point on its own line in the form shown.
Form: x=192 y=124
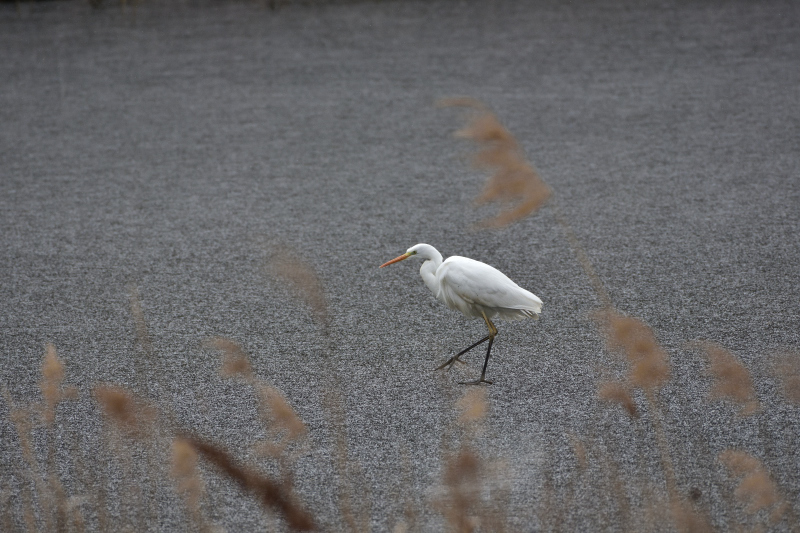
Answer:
x=473 y=406
x=688 y=518
x=513 y=181
x=280 y=414
x=618 y=392
x=756 y=489
x=235 y=361
x=270 y=493
x=284 y=264
x=580 y=451
x=462 y=497
x=189 y=482
x=649 y=363
x=355 y=517
x=52 y=377
x=127 y=412
x=732 y=381
x=139 y=321
x=788 y=370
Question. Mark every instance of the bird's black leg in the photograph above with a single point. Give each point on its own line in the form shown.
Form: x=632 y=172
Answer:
x=492 y=333
x=483 y=372
x=450 y=362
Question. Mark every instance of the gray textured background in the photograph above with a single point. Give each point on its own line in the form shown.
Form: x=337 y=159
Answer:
x=174 y=147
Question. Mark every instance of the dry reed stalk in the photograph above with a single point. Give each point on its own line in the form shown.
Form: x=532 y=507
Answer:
x=462 y=497
x=52 y=393
x=98 y=479
x=496 y=512
x=756 y=489
x=270 y=493
x=789 y=372
x=28 y=512
x=731 y=378
x=142 y=335
x=190 y=483
x=409 y=509
x=59 y=503
x=618 y=392
x=149 y=370
x=579 y=449
x=655 y=509
x=286 y=265
x=549 y=513
x=74 y=504
x=6 y=507
x=334 y=403
x=616 y=487
x=460 y=502
x=513 y=178
x=583 y=258
x=135 y=419
x=23 y=420
x=52 y=377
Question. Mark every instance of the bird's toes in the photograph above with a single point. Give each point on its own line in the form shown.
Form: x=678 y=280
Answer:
x=476 y=382
x=448 y=364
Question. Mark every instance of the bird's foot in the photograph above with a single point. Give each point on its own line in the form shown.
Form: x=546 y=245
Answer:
x=476 y=382
x=450 y=362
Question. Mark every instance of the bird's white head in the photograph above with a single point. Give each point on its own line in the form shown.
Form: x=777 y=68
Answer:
x=422 y=250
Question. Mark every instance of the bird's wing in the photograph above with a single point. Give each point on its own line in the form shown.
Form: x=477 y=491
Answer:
x=461 y=278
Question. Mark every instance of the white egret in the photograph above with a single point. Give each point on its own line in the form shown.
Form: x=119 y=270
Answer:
x=477 y=290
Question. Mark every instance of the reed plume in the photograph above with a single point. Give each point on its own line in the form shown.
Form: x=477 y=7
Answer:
x=731 y=379
x=649 y=369
x=513 y=179
x=280 y=413
x=127 y=412
x=286 y=265
x=756 y=488
x=234 y=359
x=649 y=363
x=789 y=373
x=473 y=406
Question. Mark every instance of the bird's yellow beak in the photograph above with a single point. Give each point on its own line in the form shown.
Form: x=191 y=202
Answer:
x=396 y=259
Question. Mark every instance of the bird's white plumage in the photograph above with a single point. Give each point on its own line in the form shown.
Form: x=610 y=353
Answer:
x=474 y=288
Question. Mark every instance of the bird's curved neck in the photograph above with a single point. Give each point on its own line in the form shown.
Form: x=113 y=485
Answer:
x=428 y=272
